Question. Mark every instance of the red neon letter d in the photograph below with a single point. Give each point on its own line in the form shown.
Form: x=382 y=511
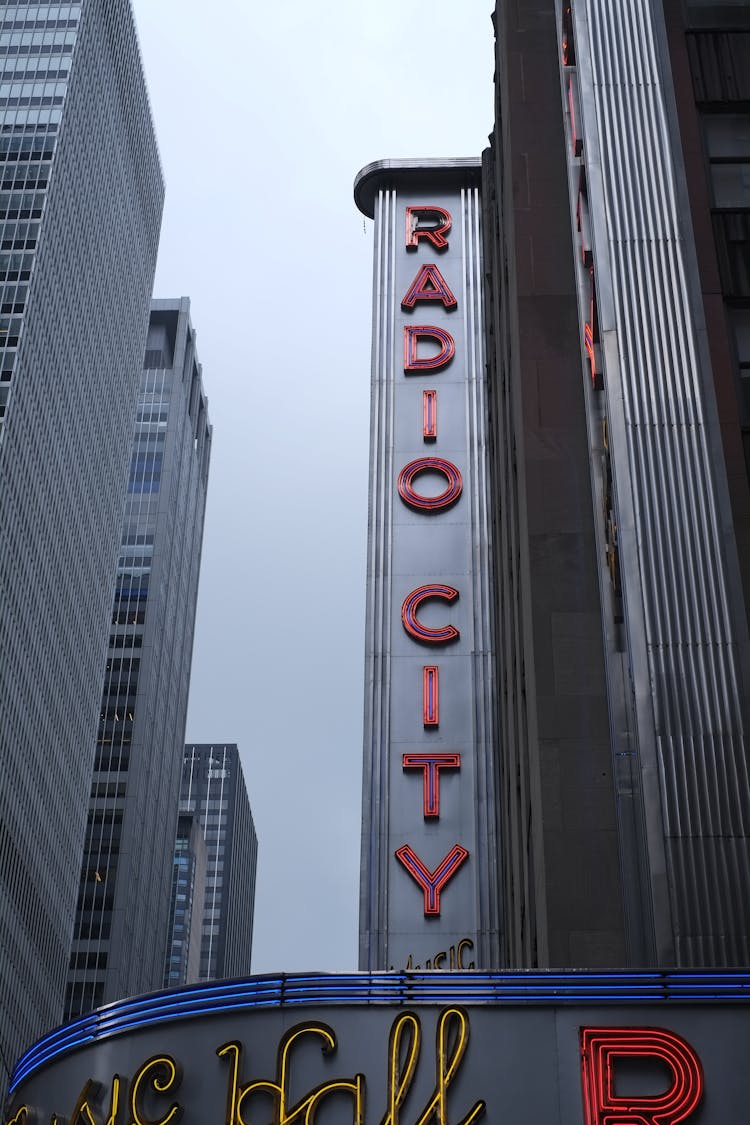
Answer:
x=601 y=1046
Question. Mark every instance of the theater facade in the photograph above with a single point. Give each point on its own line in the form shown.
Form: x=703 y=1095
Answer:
x=574 y=1048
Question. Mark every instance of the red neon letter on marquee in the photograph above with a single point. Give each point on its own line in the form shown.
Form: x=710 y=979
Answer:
x=429 y=415
x=421 y=503
x=413 y=333
x=423 y=633
x=431 y=764
x=439 y=225
x=429 y=285
x=431 y=695
x=601 y=1046
x=432 y=882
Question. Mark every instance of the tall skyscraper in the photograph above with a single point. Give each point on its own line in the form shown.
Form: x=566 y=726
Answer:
x=214 y=792
x=124 y=898
x=80 y=209
x=617 y=208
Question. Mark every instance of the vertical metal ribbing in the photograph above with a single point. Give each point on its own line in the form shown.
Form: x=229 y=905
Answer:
x=373 y=899
x=486 y=846
x=675 y=579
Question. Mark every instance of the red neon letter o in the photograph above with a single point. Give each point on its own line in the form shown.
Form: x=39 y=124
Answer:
x=429 y=503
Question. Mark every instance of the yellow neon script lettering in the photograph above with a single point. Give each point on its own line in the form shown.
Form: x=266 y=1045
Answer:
x=451 y=1040
x=163 y=1073
x=20 y=1117
x=400 y=1074
x=91 y=1093
x=279 y=1090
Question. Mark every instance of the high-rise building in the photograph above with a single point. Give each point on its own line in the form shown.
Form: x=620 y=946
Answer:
x=617 y=209
x=184 y=938
x=122 y=919
x=214 y=792
x=80 y=208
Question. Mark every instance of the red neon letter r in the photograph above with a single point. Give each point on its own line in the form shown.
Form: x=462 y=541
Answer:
x=600 y=1046
x=429 y=222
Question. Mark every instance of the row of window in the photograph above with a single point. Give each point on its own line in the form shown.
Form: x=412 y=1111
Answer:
x=88 y=960
x=126 y=615
x=39 y=66
x=117 y=665
x=108 y=789
x=145 y=472
x=36 y=146
x=26 y=90
x=152 y=414
x=17 y=43
x=33 y=118
x=10 y=330
x=132 y=588
x=21 y=25
x=110 y=760
x=115 y=714
x=140 y=559
x=126 y=640
x=24 y=176
x=34 y=13
x=720 y=65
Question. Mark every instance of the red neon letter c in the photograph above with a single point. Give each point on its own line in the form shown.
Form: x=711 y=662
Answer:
x=600 y=1046
x=415 y=628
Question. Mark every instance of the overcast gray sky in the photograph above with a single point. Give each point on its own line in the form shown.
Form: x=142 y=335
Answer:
x=264 y=114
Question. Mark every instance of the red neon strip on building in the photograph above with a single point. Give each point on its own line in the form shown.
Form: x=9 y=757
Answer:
x=432 y=882
x=431 y=765
x=602 y=1046
x=429 y=285
x=576 y=140
x=431 y=695
x=413 y=333
x=568 y=44
x=415 y=628
x=429 y=415
x=440 y=225
x=591 y=336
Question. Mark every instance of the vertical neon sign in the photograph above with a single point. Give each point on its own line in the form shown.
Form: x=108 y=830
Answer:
x=429 y=840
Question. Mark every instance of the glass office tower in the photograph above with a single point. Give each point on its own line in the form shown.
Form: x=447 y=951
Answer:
x=214 y=792
x=80 y=208
x=182 y=962
x=126 y=875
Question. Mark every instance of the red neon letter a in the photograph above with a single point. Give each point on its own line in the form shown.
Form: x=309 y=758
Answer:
x=429 y=285
x=600 y=1046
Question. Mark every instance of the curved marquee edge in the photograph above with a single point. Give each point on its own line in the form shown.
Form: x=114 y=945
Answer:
x=448 y=173
x=436 y=987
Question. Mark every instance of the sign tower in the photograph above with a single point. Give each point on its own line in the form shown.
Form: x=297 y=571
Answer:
x=429 y=845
